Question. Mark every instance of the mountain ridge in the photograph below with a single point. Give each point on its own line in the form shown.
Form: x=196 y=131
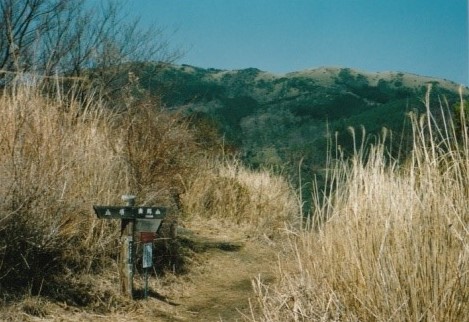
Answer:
x=279 y=119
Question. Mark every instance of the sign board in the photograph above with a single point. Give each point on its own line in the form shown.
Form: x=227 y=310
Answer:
x=127 y=212
x=147 y=255
x=144 y=220
x=147 y=225
x=147 y=237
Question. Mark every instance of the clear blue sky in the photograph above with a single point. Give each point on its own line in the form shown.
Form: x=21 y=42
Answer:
x=426 y=37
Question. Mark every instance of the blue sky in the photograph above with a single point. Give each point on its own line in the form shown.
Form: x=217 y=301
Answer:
x=425 y=37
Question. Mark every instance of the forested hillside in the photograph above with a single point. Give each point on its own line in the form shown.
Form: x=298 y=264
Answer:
x=277 y=120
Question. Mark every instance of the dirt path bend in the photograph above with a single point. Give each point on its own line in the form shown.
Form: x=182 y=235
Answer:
x=219 y=286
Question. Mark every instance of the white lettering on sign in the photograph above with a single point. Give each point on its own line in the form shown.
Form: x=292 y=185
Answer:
x=140 y=211
x=149 y=214
x=108 y=212
x=157 y=212
x=122 y=212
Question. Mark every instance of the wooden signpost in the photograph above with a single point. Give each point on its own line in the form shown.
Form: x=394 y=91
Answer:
x=143 y=220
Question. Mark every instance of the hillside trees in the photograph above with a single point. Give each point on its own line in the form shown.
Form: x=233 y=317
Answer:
x=75 y=38
x=461 y=115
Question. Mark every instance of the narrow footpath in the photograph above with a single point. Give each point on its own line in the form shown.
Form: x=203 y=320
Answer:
x=223 y=262
x=219 y=286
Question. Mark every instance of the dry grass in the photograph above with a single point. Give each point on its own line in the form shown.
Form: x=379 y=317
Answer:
x=256 y=200
x=390 y=241
x=55 y=162
x=61 y=153
x=394 y=245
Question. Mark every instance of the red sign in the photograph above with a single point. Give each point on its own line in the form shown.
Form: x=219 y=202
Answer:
x=147 y=237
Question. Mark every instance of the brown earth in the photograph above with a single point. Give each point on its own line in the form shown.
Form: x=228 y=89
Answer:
x=220 y=287
x=217 y=287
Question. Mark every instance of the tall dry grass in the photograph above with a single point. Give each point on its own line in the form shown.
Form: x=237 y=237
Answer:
x=55 y=161
x=393 y=244
x=60 y=153
x=258 y=201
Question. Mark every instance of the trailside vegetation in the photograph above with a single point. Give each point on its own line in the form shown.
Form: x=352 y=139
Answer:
x=387 y=241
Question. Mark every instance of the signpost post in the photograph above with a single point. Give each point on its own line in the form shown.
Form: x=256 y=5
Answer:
x=144 y=220
x=147 y=260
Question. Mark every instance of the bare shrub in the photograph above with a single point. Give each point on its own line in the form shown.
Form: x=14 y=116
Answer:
x=59 y=156
x=158 y=149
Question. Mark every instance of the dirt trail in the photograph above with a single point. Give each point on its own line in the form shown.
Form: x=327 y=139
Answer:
x=219 y=287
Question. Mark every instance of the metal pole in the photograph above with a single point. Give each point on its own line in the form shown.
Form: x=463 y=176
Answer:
x=146 y=282
x=127 y=251
x=147 y=262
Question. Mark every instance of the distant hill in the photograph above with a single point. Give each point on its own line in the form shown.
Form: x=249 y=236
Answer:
x=276 y=120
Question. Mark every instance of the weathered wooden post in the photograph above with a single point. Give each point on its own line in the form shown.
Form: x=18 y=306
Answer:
x=142 y=220
x=126 y=253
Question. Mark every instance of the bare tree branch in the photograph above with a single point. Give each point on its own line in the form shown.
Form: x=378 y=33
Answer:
x=76 y=38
